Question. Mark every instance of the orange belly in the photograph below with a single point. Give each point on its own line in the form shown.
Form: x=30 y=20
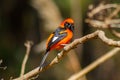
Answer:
x=66 y=40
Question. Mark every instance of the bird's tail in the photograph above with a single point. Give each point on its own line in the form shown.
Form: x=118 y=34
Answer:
x=43 y=60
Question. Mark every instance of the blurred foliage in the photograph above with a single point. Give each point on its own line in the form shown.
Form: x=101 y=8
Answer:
x=19 y=22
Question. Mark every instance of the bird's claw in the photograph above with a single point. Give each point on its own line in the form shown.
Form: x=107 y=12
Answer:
x=64 y=44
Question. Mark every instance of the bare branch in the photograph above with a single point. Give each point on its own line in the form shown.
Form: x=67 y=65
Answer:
x=102 y=24
x=94 y=64
x=114 y=13
x=59 y=56
x=97 y=34
x=110 y=42
x=28 y=45
x=5 y=67
x=111 y=21
x=96 y=23
x=100 y=8
x=116 y=33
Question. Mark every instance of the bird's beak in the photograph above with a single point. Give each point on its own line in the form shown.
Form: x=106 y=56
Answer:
x=72 y=28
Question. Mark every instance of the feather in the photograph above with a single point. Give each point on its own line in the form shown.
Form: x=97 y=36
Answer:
x=43 y=60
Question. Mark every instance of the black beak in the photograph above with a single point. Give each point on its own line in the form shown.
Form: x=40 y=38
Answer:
x=69 y=26
x=72 y=27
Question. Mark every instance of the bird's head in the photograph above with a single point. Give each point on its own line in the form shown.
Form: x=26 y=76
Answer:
x=68 y=24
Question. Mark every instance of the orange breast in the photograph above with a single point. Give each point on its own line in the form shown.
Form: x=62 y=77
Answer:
x=66 y=40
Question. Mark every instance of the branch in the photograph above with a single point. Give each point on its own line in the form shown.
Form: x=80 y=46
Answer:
x=114 y=13
x=116 y=33
x=114 y=23
x=107 y=22
x=59 y=56
x=94 y=64
x=28 y=45
x=110 y=21
x=100 y=8
x=108 y=41
x=97 y=34
x=5 y=67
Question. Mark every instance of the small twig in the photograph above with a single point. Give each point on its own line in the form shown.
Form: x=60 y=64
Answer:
x=108 y=41
x=114 y=13
x=28 y=45
x=96 y=23
x=5 y=67
x=1 y=61
x=116 y=33
x=35 y=77
x=107 y=22
x=103 y=24
x=94 y=64
x=100 y=8
x=110 y=22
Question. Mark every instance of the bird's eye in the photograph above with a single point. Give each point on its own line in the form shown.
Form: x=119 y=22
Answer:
x=67 y=24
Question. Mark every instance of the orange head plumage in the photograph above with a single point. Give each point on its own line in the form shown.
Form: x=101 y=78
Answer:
x=68 y=23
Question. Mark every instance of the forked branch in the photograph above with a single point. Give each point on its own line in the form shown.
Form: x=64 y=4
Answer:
x=97 y=34
x=28 y=45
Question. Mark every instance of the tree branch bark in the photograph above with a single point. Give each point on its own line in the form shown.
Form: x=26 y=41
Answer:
x=28 y=45
x=97 y=34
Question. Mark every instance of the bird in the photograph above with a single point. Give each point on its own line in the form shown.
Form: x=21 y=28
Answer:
x=59 y=38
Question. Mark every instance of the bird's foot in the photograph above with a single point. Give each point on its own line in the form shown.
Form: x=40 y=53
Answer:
x=64 y=44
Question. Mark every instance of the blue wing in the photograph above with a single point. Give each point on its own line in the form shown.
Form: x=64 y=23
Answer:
x=57 y=37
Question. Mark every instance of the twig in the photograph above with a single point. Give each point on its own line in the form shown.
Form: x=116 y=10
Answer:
x=114 y=13
x=94 y=64
x=107 y=22
x=5 y=67
x=103 y=24
x=28 y=45
x=97 y=34
x=96 y=23
x=116 y=33
x=100 y=8
x=108 y=41
x=110 y=22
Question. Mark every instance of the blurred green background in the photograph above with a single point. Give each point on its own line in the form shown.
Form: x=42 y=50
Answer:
x=22 y=20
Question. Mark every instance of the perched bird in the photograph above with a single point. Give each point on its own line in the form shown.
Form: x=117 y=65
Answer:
x=58 y=39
